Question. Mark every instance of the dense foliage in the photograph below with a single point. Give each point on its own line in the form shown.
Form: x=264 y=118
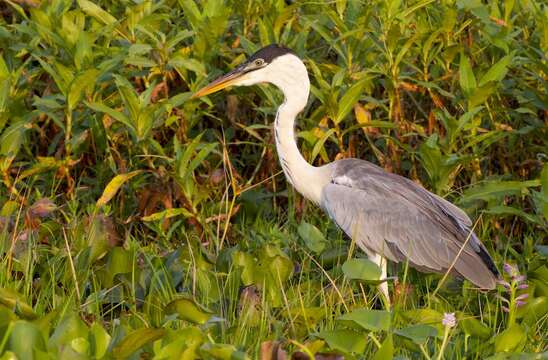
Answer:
x=139 y=223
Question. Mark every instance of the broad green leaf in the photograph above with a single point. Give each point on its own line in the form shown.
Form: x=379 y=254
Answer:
x=17 y=303
x=494 y=189
x=474 y=327
x=130 y=98
x=349 y=99
x=193 y=65
x=372 y=320
x=511 y=339
x=69 y=328
x=386 y=351
x=510 y=210
x=136 y=340
x=113 y=186
x=344 y=340
x=25 y=337
x=318 y=146
x=222 y=352
x=80 y=345
x=467 y=79
x=534 y=310
x=120 y=261
x=12 y=138
x=166 y=214
x=84 y=81
x=96 y=11
x=189 y=310
x=361 y=269
x=419 y=334
x=116 y=115
x=312 y=237
x=4 y=71
x=99 y=340
x=497 y=72
x=423 y=316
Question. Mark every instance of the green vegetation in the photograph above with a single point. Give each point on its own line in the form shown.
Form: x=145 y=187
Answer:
x=139 y=223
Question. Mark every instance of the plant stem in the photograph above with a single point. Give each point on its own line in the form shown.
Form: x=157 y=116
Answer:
x=444 y=342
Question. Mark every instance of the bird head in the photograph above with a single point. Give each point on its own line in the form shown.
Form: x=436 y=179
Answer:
x=273 y=64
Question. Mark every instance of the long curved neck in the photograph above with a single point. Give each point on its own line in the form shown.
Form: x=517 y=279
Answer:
x=302 y=175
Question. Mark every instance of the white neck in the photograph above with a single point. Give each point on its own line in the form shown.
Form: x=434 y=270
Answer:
x=295 y=85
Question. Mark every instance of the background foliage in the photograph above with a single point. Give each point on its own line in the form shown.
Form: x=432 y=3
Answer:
x=136 y=222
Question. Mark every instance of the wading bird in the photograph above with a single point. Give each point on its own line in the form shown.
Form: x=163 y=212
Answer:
x=388 y=216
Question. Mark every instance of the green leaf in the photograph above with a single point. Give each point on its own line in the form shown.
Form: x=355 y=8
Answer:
x=99 y=340
x=511 y=339
x=312 y=237
x=490 y=190
x=345 y=340
x=113 y=186
x=130 y=98
x=70 y=327
x=361 y=269
x=419 y=334
x=17 y=303
x=474 y=327
x=80 y=345
x=222 y=352
x=386 y=351
x=84 y=81
x=467 y=79
x=349 y=99
x=120 y=261
x=534 y=310
x=188 y=309
x=136 y=340
x=497 y=72
x=24 y=339
x=96 y=12
x=372 y=320
x=166 y=214
x=116 y=115
x=424 y=316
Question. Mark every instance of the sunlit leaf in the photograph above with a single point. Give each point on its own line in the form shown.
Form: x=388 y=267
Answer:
x=187 y=309
x=349 y=99
x=312 y=237
x=372 y=320
x=497 y=72
x=96 y=11
x=361 y=269
x=136 y=340
x=474 y=327
x=511 y=339
x=467 y=79
x=99 y=340
x=222 y=352
x=386 y=351
x=113 y=186
x=25 y=337
x=419 y=334
x=344 y=340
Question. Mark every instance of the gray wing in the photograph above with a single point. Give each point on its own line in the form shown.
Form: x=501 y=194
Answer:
x=392 y=216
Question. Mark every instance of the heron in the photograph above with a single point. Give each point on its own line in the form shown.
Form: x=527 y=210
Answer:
x=388 y=216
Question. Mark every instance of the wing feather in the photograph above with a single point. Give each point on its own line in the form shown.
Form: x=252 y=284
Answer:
x=392 y=216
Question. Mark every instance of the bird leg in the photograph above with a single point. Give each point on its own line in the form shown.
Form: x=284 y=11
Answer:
x=383 y=287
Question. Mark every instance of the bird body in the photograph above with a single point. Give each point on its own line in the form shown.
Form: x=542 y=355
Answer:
x=388 y=216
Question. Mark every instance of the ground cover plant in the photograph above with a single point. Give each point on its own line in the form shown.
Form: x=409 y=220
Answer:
x=136 y=222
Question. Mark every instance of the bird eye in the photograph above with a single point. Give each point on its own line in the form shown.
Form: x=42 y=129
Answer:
x=259 y=62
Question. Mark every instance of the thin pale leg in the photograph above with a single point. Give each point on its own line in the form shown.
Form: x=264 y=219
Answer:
x=383 y=287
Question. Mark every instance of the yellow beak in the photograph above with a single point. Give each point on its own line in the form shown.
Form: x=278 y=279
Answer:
x=220 y=83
